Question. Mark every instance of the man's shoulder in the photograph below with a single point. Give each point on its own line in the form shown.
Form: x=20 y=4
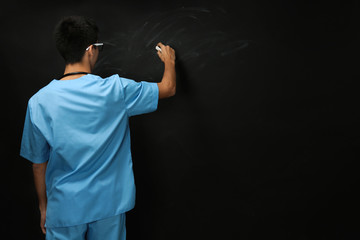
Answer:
x=40 y=93
x=119 y=80
x=113 y=77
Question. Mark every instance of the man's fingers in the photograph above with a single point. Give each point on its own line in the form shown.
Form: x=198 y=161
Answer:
x=160 y=55
x=161 y=45
x=166 y=53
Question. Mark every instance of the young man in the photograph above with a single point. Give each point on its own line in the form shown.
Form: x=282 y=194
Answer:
x=76 y=133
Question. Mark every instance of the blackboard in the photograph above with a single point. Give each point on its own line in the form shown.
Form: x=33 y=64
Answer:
x=261 y=139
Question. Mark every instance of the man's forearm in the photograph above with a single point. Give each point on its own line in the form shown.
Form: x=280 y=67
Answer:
x=168 y=82
x=39 y=171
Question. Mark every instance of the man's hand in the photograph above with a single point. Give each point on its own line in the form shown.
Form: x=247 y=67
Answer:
x=42 y=221
x=167 y=54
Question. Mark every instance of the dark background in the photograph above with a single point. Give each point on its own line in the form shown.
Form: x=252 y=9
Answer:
x=261 y=140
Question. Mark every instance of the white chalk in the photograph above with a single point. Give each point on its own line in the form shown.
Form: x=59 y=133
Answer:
x=158 y=48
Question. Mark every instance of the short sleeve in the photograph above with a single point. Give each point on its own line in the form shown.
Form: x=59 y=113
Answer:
x=34 y=146
x=140 y=97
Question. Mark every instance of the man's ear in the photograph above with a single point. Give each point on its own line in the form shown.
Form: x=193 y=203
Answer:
x=91 y=50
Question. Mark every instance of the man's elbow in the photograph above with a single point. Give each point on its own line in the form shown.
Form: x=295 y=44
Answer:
x=172 y=91
x=166 y=91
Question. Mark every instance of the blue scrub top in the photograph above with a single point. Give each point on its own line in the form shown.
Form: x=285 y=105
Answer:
x=81 y=127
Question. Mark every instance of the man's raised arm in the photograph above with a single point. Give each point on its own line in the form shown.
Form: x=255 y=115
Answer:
x=167 y=86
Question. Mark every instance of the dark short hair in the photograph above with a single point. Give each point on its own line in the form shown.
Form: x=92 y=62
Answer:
x=73 y=35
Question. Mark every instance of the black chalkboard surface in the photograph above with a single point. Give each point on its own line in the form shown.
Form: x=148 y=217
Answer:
x=261 y=139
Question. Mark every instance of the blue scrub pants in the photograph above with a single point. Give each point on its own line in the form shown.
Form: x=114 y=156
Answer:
x=112 y=228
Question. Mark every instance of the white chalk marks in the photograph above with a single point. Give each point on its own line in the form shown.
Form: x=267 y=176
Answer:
x=200 y=37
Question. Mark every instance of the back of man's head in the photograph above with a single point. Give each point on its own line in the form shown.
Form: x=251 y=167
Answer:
x=73 y=35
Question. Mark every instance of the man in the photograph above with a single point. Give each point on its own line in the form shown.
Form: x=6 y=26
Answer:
x=76 y=133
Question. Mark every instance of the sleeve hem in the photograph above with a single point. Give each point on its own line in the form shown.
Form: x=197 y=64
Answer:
x=31 y=158
x=123 y=94
x=155 y=91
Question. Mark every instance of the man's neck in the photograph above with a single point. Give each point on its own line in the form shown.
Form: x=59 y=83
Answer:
x=76 y=67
